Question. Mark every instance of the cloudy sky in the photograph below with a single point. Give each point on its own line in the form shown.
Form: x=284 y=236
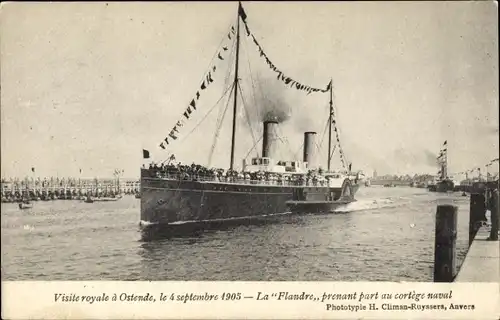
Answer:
x=89 y=85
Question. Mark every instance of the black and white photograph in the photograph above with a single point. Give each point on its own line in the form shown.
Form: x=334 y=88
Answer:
x=250 y=141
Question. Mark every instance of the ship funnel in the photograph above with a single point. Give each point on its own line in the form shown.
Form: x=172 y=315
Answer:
x=269 y=139
x=309 y=141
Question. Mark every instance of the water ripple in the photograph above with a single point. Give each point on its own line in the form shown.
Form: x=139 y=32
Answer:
x=387 y=235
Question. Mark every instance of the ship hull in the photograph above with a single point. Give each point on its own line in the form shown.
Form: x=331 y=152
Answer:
x=178 y=202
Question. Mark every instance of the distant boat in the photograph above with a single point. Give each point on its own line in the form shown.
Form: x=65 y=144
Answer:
x=444 y=183
x=88 y=199
x=25 y=205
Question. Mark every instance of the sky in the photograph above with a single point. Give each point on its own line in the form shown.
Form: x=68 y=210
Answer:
x=89 y=85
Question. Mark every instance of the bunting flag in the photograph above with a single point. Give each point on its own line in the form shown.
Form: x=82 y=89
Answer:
x=207 y=80
x=145 y=155
x=281 y=75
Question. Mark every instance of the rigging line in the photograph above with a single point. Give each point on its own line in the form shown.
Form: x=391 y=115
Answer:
x=226 y=83
x=204 y=76
x=324 y=132
x=253 y=148
x=246 y=113
x=215 y=54
x=206 y=115
x=295 y=155
x=286 y=141
x=259 y=83
x=220 y=126
x=250 y=71
x=334 y=105
x=231 y=65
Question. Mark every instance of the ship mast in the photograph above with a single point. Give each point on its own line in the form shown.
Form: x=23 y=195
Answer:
x=235 y=104
x=330 y=120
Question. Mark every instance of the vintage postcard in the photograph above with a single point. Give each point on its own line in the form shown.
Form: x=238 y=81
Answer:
x=284 y=160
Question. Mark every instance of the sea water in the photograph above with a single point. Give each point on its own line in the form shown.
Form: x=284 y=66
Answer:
x=386 y=235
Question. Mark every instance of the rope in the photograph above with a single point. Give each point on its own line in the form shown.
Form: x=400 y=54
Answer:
x=253 y=147
x=218 y=129
x=246 y=113
x=250 y=71
x=206 y=115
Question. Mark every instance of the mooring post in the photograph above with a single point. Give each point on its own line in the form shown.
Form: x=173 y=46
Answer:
x=445 y=243
x=477 y=214
x=494 y=214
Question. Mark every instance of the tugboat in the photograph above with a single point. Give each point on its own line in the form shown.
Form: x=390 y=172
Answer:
x=178 y=195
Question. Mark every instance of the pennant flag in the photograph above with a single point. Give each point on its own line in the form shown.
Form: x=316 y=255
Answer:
x=166 y=140
x=225 y=48
x=179 y=123
x=145 y=155
x=232 y=29
x=209 y=78
x=229 y=36
x=329 y=86
x=162 y=146
x=175 y=129
x=197 y=95
x=189 y=110
x=193 y=104
x=33 y=169
x=220 y=57
x=203 y=87
x=445 y=142
x=242 y=12
x=214 y=68
x=186 y=114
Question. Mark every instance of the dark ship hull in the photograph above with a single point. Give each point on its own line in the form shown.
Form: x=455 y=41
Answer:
x=175 y=202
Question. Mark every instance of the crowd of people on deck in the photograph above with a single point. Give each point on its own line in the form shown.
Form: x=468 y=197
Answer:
x=198 y=172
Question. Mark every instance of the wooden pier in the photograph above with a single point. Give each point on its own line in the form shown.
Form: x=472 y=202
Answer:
x=482 y=262
x=69 y=189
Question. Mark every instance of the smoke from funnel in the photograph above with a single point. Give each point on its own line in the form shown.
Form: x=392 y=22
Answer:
x=269 y=104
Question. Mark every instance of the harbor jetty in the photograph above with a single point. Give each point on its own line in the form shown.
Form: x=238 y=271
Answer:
x=482 y=261
x=17 y=190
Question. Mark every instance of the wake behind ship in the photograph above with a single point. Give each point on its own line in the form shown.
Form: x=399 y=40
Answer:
x=177 y=194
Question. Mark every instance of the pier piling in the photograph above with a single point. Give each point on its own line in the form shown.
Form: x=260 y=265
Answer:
x=495 y=214
x=477 y=214
x=445 y=243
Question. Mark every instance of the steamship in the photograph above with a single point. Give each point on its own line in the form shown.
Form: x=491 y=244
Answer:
x=173 y=200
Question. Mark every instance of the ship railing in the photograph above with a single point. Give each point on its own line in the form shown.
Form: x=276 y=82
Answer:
x=240 y=180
